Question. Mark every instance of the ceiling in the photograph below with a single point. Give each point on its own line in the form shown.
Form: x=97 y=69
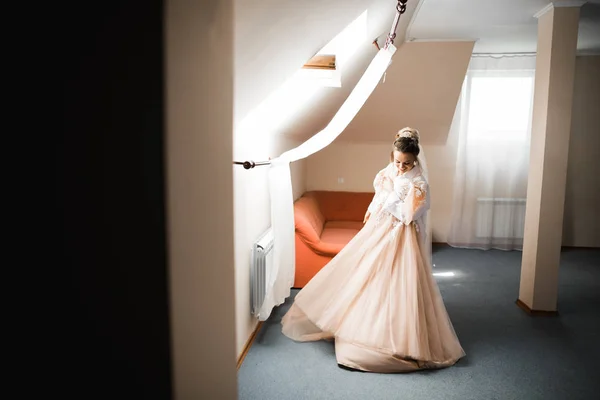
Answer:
x=274 y=38
x=421 y=90
x=497 y=26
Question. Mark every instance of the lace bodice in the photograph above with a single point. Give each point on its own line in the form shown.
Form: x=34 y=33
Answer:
x=405 y=197
x=410 y=198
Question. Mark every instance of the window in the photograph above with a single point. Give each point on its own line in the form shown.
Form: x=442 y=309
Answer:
x=336 y=54
x=499 y=106
x=321 y=69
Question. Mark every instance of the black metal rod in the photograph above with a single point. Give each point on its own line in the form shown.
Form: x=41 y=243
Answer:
x=252 y=164
x=400 y=9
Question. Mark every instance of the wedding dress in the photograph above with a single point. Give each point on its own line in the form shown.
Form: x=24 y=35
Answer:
x=377 y=299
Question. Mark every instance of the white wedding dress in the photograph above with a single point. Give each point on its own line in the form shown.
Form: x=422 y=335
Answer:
x=377 y=298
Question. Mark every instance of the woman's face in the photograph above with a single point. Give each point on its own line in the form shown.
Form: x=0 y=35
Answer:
x=404 y=161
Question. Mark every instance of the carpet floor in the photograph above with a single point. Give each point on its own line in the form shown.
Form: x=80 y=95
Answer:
x=510 y=355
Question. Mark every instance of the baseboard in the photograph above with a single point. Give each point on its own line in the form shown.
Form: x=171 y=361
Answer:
x=579 y=248
x=444 y=244
x=248 y=344
x=535 y=313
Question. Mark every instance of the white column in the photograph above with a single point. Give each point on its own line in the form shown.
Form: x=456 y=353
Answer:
x=551 y=126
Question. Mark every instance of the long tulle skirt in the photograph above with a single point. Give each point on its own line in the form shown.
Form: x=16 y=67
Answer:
x=380 y=303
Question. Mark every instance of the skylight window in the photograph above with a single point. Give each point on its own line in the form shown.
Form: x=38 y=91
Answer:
x=324 y=69
x=277 y=111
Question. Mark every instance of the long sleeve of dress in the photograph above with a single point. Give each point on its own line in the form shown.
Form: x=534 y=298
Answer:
x=410 y=199
x=382 y=185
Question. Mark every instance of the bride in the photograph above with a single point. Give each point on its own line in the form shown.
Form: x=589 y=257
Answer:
x=377 y=299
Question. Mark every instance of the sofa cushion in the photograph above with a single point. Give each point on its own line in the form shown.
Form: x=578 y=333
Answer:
x=352 y=225
x=342 y=206
x=335 y=235
x=338 y=236
x=308 y=220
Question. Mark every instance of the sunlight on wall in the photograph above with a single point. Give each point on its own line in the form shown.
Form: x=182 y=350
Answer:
x=343 y=46
x=276 y=113
x=320 y=77
x=347 y=42
x=271 y=116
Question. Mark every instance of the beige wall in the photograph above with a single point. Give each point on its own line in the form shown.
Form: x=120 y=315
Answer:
x=421 y=88
x=357 y=163
x=253 y=216
x=581 y=225
x=550 y=132
x=422 y=93
x=199 y=126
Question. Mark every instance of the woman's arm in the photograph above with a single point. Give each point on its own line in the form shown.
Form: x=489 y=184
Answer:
x=409 y=201
x=378 y=184
x=419 y=199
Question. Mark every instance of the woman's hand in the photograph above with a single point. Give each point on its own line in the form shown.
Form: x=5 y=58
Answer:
x=367 y=215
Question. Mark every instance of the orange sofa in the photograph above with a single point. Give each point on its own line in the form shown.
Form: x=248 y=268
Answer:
x=325 y=222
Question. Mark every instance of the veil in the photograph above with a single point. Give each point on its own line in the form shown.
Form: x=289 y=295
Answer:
x=428 y=236
x=428 y=248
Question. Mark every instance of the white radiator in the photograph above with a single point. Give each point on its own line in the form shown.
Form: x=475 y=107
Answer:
x=260 y=269
x=500 y=218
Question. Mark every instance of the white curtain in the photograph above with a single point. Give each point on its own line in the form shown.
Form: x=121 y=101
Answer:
x=281 y=278
x=493 y=119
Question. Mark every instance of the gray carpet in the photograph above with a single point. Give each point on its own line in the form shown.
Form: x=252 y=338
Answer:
x=510 y=355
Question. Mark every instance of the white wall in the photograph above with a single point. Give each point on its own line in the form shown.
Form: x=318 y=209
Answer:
x=252 y=217
x=199 y=125
x=355 y=163
x=273 y=39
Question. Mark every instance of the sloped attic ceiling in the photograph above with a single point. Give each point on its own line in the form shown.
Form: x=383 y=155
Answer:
x=421 y=90
x=274 y=38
